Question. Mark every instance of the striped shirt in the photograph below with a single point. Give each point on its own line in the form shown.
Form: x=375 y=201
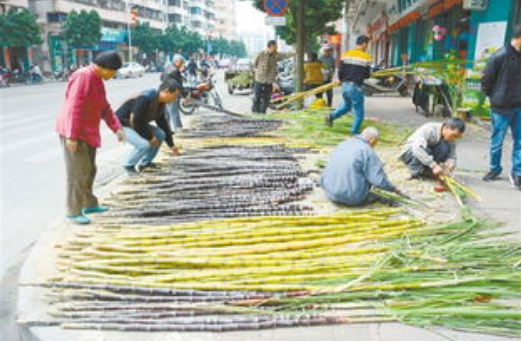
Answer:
x=355 y=66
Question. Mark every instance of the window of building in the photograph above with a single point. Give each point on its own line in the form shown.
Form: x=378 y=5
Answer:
x=176 y=3
x=56 y=17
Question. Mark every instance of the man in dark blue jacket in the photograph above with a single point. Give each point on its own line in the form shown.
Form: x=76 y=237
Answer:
x=501 y=83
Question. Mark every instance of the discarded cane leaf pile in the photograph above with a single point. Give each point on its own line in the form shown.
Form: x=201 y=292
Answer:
x=308 y=127
x=183 y=250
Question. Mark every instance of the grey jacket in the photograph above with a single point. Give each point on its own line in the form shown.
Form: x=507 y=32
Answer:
x=425 y=137
x=351 y=171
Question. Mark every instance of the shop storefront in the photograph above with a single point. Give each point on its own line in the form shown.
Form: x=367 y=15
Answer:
x=378 y=31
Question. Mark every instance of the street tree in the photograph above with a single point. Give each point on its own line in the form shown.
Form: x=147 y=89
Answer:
x=319 y=16
x=82 y=30
x=18 y=28
x=145 y=38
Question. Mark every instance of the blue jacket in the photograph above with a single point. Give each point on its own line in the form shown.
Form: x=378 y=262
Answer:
x=351 y=171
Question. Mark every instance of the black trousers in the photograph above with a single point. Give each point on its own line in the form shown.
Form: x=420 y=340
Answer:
x=329 y=95
x=262 y=95
x=440 y=152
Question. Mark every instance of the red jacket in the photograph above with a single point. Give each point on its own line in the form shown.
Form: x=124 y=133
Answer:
x=85 y=105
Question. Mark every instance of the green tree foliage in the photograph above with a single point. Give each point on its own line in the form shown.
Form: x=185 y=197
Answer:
x=145 y=38
x=188 y=42
x=18 y=28
x=319 y=15
x=82 y=29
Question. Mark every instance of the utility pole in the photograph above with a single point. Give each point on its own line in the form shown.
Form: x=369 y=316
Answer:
x=129 y=31
x=300 y=49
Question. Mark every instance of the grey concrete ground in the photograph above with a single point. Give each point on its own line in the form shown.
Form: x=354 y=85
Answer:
x=500 y=202
x=32 y=173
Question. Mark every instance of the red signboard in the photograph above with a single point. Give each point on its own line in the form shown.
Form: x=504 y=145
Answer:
x=275 y=8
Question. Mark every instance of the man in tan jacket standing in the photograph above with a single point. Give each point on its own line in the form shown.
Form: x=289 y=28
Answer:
x=265 y=69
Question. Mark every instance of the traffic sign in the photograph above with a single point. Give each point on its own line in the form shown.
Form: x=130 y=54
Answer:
x=275 y=8
x=275 y=21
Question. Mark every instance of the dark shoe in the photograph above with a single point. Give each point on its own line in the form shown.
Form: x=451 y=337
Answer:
x=150 y=165
x=491 y=176
x=130 y=170
x=515 y=180
x=328 y=121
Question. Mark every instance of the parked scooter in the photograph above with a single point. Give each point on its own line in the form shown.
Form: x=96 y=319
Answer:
x=386 y=85
x=203 y=92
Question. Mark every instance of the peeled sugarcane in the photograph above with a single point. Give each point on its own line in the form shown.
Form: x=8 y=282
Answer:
x=302 y=95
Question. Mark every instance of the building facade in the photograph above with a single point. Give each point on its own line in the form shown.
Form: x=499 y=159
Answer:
x=226 y=25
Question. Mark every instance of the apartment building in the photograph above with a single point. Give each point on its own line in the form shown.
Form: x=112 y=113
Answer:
x=226 y=25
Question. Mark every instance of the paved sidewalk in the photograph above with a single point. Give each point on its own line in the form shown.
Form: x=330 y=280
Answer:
x=500 y=202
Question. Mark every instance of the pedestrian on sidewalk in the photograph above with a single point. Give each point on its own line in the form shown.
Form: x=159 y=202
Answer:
x=136 y=114
x=265 y=74
x=354 y=69
x=313 y=74
x=431 y=150
x=175 y=71
x=328 y=61
x=78 y=126
x=501 y=83
x=353 y=169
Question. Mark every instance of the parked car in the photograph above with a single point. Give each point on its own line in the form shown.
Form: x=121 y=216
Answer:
x=225 y=63
x=131 y=69
x=243 y=64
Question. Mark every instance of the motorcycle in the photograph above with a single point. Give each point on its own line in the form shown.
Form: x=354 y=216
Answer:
x=202 y=93
x=4 y=80
x=386 y=85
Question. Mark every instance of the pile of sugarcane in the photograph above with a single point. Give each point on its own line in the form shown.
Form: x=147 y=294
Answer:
x=215 y=182
x=267 y=272
x=219 y=126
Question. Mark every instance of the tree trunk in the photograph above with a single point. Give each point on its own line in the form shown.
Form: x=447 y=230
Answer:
x=300 y=50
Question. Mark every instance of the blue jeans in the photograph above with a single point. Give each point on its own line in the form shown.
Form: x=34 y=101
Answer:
x=500 y=125
x=143 y=152
x=174 y=115
x=353 y=99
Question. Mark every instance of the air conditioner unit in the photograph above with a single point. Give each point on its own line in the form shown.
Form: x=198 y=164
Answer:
x=475 y=5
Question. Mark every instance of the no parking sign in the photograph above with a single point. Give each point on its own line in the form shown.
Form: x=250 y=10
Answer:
x=276 y=8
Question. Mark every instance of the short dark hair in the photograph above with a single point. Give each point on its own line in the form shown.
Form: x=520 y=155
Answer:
x=314 y=57
x=109 y=60
x=271 y=43
x=171 y=85
x=455 y=123
x=516 y=32
x=362 y=40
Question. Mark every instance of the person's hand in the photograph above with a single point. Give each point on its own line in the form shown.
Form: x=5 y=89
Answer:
x=437 y=170
x=175 y=151
x=71 y=145
x=449 y=167
x=120 y=134
x=155 y=142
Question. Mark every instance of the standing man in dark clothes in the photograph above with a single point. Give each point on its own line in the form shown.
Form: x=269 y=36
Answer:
x=354 y=69
x=136 y=114
x=174 y=72
x=501 y=83
x=265 y=66
x=328 y=61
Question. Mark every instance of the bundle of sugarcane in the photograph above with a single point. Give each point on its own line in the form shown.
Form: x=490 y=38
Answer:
x=216 y=182
x=212 y=127
x=361 y=266
x=287 y=100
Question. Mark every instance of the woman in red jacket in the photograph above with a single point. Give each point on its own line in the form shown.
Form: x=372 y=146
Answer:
x=79 y=128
